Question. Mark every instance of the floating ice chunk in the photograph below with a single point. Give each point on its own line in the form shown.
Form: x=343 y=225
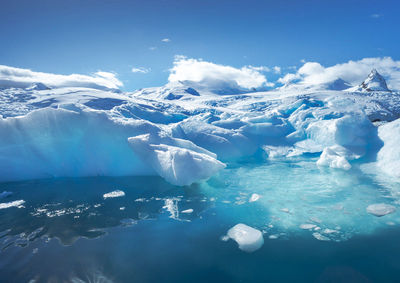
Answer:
x=254 y=197
x=273 y=237
x=380 y=209
x=329 y=231
x=307 y=226
x=320 y=237
x=177 y=165
x=16 y=203
x=329 y=157
x=277 y=151
x=187 y=211
x=248 y=238
x=171 y=205
x=114 y=194
x=5 y=194
x=315 y=219
x=225 y=238
x=286 y=210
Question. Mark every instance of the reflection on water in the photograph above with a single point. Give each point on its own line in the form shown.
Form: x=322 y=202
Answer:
x=314 y=223
x=68 y=209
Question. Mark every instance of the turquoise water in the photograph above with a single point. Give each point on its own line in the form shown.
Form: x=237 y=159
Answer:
x=67 y=231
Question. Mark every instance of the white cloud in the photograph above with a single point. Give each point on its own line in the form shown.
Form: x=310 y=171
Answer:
x=259 y=68
x=214 y=75
x=166 y=40
x=141 y=70
x=17 y=77
x=277 y=70
x=152 y=48
x=354 y=72
x=376 y=16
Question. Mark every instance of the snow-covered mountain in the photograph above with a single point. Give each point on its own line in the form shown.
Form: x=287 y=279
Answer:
x=374 y=82
x=337 y=84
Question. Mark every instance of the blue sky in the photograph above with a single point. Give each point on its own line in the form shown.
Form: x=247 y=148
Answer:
x=81 y=36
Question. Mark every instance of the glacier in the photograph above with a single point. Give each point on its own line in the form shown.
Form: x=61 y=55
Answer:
x=247 y=143
x=89 y=132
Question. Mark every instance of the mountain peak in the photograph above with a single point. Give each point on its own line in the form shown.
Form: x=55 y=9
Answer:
x=338 y=84
x=374 y=82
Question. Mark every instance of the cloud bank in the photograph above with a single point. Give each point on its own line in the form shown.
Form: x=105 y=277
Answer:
x=22 y=78
x=354 y=72
x=215 y=75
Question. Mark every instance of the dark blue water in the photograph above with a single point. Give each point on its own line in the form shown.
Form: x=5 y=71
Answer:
x=67 y=231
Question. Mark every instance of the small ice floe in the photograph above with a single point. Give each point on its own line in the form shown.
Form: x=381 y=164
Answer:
x=16 y=203
x=315 y=220
x=320 y=237
x=380 y=209
x=307 y=226
x=224 y=238
x=122 y=208
x=140 y=200
x=254 y=197
x=330 y=231
x=5 y=194
x=390 y=223
x=187 y=211
x=248 y=238
x=286 y=210
x=127 y=222
x=273 y=237
x=114 y=194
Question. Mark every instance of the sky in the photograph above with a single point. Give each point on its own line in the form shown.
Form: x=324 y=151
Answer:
x=141 y=41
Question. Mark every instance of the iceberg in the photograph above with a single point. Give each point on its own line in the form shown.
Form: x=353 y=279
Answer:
x=177 y=165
